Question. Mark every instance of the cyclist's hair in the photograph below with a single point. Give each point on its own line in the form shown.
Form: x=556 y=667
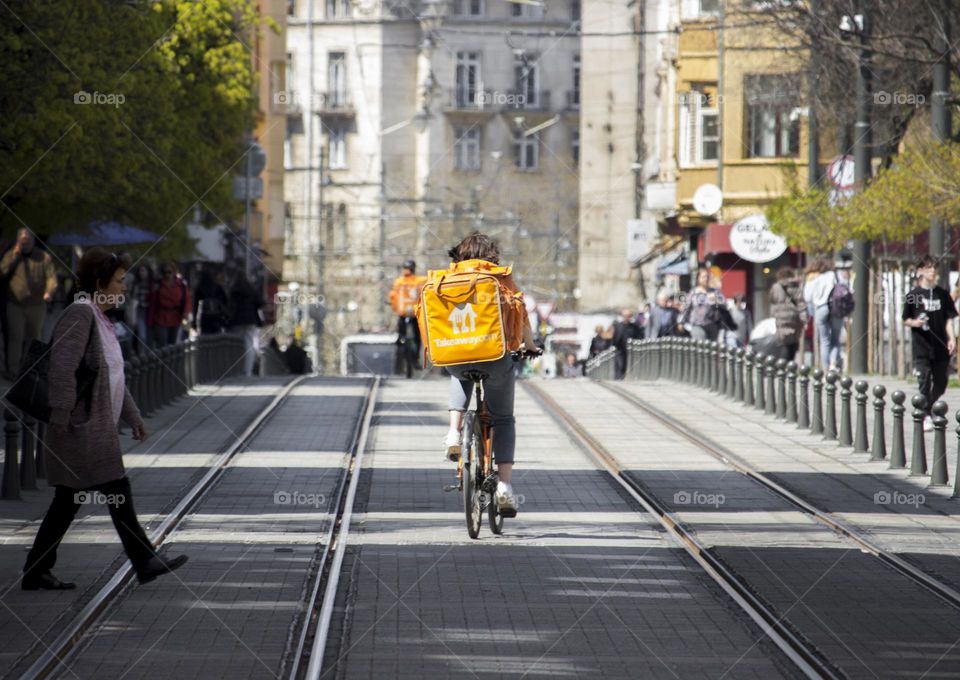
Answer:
x=476 y=246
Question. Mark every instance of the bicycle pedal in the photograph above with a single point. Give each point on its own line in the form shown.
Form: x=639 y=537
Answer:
x=452 y=487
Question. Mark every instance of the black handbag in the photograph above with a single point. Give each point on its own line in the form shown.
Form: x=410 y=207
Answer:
x=31 y=391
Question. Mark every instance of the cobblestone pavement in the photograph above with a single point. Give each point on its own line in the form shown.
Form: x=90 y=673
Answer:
x=862 y=616
x=231 y=610
x=185 y=436
x=581 y=584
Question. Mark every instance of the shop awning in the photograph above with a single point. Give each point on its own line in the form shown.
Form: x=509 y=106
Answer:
x=104 y=233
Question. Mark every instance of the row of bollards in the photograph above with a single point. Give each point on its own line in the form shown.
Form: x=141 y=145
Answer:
x=796 y=394
x=154 y=381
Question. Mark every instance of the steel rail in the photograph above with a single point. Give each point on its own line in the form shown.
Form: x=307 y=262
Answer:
x=57 y=652
x=807 y=659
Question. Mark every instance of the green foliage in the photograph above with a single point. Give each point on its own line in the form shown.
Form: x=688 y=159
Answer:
x=922 y=182
x=173 y=81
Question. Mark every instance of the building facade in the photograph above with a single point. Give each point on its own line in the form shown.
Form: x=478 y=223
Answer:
x=411 y=125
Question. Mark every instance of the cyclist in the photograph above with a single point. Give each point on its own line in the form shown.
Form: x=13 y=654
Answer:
x=403 y=298
x=498 y=387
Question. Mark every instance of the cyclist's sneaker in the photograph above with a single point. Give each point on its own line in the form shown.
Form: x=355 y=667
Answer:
x=506 y=504
x=451 y=445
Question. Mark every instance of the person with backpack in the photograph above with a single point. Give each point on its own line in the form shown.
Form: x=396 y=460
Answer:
x=87 y=400
x=169 y=306
x=927 y=311
x=209 y=305
x=404 y=297
x=789 y=312
x=831 y=297
x=472 y=316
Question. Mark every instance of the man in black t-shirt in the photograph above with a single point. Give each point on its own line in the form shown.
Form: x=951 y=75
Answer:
x=927 y=310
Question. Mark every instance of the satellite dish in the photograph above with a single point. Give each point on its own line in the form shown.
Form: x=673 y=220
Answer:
x=708 y=200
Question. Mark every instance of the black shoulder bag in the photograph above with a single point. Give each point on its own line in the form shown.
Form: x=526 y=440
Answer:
x=31 y=391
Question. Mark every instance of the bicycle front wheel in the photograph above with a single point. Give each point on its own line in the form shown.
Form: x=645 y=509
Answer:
x=471 y=465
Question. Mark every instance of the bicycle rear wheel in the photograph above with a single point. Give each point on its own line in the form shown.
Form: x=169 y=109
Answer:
x=471 y=466
x=493 y=515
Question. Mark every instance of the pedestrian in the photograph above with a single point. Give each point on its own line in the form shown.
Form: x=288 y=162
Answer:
x=662 y=317
x=740 y=313
x=928 y=311
x=82 y=451
x=702 y=314
x=624 y=330
x=831 y=297
x=297 y=360
x=137 y=305
x=209 y=305
x=169 y=306
x=243 y=316
x=32 y=282
x=789 y=312
x=600 y=342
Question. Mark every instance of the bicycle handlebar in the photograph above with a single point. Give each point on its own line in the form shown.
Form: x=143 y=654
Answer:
x=526 y=354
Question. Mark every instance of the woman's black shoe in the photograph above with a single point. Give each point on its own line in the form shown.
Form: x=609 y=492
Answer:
x=45 y=581
x=159 y=565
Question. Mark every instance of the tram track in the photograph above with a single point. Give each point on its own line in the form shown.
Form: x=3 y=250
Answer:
x=68 y=641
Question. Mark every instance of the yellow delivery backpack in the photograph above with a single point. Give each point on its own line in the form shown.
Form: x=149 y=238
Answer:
x=467 y=315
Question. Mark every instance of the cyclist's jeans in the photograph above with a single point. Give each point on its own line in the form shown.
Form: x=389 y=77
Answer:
x=498 y=390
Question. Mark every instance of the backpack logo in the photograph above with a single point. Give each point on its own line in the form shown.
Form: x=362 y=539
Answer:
x=459 y=318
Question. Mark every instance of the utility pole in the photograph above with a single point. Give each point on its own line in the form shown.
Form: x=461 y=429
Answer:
x=813 y=133
x=383 y=243
x=862 y=155
x=941 y=124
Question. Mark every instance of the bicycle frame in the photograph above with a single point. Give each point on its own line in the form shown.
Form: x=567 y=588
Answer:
x=486 y=435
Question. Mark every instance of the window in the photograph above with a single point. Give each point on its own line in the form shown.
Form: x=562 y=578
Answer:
x=710 y=6
x=575 y=146
x=526 y=79
x=521 y=9
x=337 y=146
x=336 y=79
x=699 y=126
x=575 y=94
x=526 y=152
x=467 y=77
x=772 y=115
x=338 y=9
x=575 y=10
x=291 y=7
x=468 y=8
x=692 y=9
x=466 y=148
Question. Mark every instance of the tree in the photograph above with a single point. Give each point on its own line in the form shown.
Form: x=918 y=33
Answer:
x=133 y=112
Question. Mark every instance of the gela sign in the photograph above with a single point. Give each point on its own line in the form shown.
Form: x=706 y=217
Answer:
x=752 y=240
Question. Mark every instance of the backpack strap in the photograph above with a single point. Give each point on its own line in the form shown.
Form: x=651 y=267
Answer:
x=456 y=297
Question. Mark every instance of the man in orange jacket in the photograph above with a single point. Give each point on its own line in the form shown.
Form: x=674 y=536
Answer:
x=404 y=297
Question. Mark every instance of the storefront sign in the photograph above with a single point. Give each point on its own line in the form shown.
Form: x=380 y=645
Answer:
x=752 y=240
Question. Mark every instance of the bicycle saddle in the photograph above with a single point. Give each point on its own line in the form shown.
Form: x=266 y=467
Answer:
x=475 y=375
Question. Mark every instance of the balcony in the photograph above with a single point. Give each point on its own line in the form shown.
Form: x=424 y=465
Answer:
x=527 y=100
x=471 y=102
x=335 y=104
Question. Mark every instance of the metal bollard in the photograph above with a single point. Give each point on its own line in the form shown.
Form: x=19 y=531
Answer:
x=830 y=409
x=860 y=444
x=712 y=366
x=956 y=477
x=791 y=411
x=879 y=449
x=816 y=422
x=739 y=368
x=723 y=356
x=28 y=464
x=781 y=406
x=938 y=473
x=11 y=472
x=918 y=454
x=803 y=402
x=760 y=361
x=846 y=430
x=898 y=453
x=771 y=372
x=699 y=378
x=749 y=398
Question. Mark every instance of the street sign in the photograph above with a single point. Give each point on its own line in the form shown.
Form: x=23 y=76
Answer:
x=752 y=240
x=838 y=197
x=841 y=173
x=240 y=186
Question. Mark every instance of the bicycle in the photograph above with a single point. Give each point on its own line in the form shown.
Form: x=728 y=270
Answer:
x=476 y=477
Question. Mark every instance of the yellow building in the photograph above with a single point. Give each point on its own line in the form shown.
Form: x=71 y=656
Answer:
x=741 y=125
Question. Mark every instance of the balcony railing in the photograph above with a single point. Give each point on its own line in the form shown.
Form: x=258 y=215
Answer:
x=527 y=100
